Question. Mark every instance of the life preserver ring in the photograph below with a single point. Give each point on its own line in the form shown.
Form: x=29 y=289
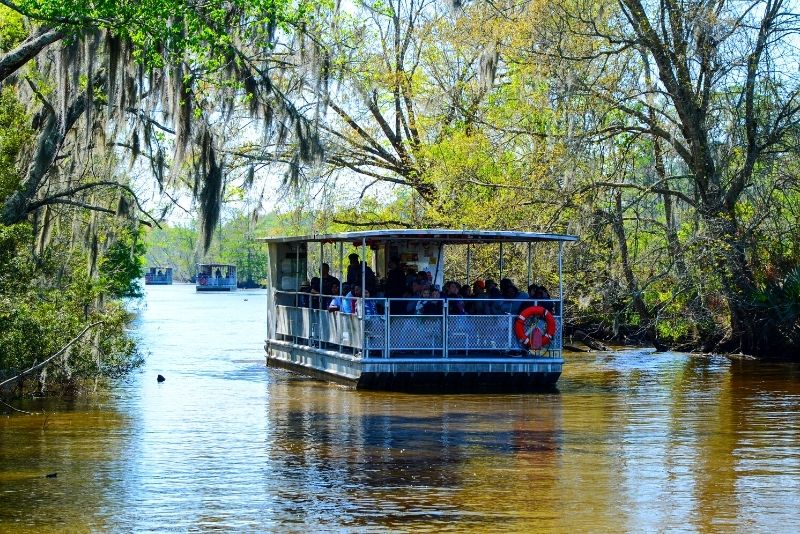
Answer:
x=535 y=311
x=202 y=279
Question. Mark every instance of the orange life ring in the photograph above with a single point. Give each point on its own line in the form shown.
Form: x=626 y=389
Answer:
x=203 y=279
x=535 y=311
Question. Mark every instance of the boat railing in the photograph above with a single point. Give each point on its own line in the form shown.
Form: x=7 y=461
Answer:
x=213 y=281
x=391 y=328
x=158 y=278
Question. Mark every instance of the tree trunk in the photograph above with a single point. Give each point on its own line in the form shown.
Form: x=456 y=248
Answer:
x=48 y=144
x=738 y=283
x=630 y=278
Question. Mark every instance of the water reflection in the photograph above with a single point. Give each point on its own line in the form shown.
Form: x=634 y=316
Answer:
x=633 y=441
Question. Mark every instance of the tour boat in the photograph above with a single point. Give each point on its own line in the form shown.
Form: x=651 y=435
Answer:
x=215 y=277
x=158 y=276
x=382 y=341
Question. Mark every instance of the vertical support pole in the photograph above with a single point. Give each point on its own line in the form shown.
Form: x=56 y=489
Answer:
x=362 y=302
x=341 y=267
x=270 y=296
x=501 y=263
x=561 y=294
x=386 y=304
x=321 y=261
x=337 y=316
x=469 y=261
x=529 y=265
x=296 y=273
x=363 y=265
x=445 y=332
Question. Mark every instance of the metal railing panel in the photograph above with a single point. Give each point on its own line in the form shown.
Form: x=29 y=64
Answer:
x=415 y=332
x=481 y=332
x=433 y=334
x=316 y=326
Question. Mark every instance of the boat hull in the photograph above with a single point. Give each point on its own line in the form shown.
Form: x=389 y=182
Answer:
x=214 y=288
x=473 y=375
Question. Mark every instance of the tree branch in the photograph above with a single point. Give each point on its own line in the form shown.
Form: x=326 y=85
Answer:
x=27 y=50
x=48 y=360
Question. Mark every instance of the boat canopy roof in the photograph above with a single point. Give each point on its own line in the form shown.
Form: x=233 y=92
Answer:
x=431 y=234
x=216 y=265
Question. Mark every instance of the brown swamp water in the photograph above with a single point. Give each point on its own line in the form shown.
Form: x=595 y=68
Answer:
x=633 y=441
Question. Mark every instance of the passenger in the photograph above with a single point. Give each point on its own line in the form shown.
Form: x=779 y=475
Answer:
x=328 y=280
x=475 y=306
x=435 y=304
x=465 y=291
x=395 y=280
x=419 y=307
x=337 y=302
x=302 y=298
x=217 y=273
x=314 y=290
x=407 y=307
x=455 y=304
x=550 y=306
x=493 y=304
x=350 y=302
x=395 y=286
x=514 y=302
x=411 y=275
x=354 y=273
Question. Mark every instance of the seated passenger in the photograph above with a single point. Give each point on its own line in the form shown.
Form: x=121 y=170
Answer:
x=429 y=307
x=350 y=301
x=328 y=281
x=475 y=306
x=336 y=303
x=455 y=304
x=513 y=303
x=494 y=298
x=302 y=298
x=550 y=306
x=465 y=291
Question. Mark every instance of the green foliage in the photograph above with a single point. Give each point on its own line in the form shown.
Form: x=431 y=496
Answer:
x=15 y=134
x=778 y=307
x=163 y=31
x=45 y=302
x=122 y=265
x=12 y=29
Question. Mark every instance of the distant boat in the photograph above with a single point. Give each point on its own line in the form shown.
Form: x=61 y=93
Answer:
x=158 y=276
x=215 y=277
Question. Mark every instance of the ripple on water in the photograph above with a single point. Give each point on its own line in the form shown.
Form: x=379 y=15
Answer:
x=633 y=440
